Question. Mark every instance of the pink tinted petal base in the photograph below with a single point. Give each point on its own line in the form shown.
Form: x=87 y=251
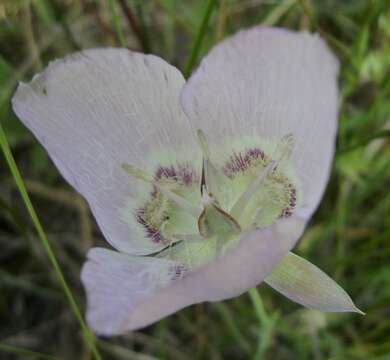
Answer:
x=112 y=280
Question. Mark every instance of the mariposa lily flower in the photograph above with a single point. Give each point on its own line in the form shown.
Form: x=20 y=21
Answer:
x=203 y=186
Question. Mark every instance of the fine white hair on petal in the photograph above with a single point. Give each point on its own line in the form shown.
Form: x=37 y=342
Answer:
x=100 y=108
x=271 y=82
x=116 y=304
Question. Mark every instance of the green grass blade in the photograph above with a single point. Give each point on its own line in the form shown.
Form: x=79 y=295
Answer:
x=45 y=243
x=117 y=22
x=232 y=327
x=144 y=35
x=25 y=352
x=199 y=37
x=278 y=12
x=378 y=135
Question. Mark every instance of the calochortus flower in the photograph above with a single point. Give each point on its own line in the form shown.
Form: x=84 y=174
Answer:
x=203 y=187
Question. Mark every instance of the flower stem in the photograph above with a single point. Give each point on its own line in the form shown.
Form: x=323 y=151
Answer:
x=88 y=337
x=258 y=306
x=199 y=38
x=266 y=324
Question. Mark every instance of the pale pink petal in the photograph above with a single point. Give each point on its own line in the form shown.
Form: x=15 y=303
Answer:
x=115 y=282
x=118 y=301
x=271 y=82
x=97 y=109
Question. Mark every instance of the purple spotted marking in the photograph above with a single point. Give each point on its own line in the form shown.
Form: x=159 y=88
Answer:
x=288 y=210
x=151 y=232
x=183 y=174
x=179 y=271
x=241 y=161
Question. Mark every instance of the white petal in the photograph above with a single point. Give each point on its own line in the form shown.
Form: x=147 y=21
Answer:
x=100 y=108
x=271 y=82
x=112 y=297
x=304 y=283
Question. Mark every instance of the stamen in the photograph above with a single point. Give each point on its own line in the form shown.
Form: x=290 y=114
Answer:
x=243 y=200
x=281 y=155
x=178 y=200
x=137 y=173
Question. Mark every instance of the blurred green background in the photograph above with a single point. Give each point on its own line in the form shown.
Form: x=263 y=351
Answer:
x=349 y=236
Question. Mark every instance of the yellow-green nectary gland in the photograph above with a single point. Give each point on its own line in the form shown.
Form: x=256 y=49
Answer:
x=276 y=197
x=162 y=219
x=195 y=241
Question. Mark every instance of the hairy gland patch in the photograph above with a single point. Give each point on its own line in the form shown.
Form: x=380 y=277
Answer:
x=198 y=213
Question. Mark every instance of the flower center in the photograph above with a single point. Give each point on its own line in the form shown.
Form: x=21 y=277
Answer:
x=201 y=213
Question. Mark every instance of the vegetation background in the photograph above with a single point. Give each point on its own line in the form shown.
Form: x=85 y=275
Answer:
x=349 y=237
